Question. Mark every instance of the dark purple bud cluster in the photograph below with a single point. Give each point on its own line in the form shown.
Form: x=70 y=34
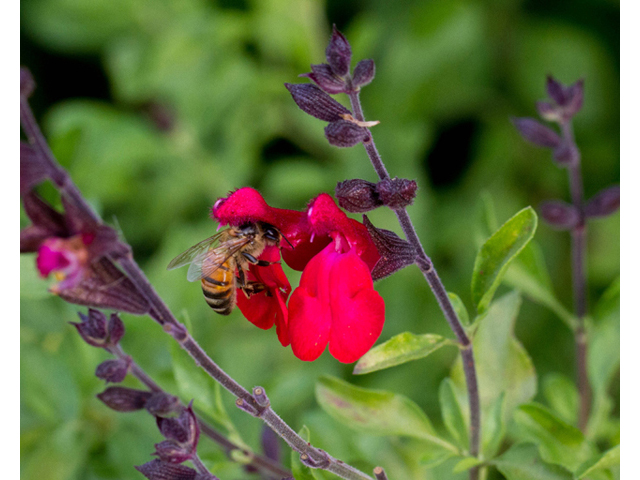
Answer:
x=604 y=203
x=97 y=332
x=395 y=253
x=331 y=78
x=114 y=370
x=566 y=103
x=359 y=196
x=181 y=433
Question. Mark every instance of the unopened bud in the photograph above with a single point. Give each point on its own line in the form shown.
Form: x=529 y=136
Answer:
x=604 y=203
x=315 y=102
x=357 y=196
x=536 y=133
x=324 y=77
x=339 y=53
x=566 y=154
x=162 y=404
x=559 y=215
x=123 y=399
x=171 y=452
x=159 y=470
x=115 y=330
x=93 y=328
x=343 y=133
x=114 y=370
x=397 y=192
x=270 y=444
x=183 y=430
x=363 y=73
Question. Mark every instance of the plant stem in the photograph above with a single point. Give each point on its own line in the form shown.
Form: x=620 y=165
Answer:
x=161 y=313
x=579 y=277
x=265 y=464
x=432 y=278
x=202 y=469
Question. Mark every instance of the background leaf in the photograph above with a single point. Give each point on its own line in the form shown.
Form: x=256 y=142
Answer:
x=452 y=414
x=496 y=254
x=402 y=348
x=522 y=462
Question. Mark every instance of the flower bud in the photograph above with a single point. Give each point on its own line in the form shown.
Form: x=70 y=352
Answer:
x=357 y=196
x=162 y=404
x=270 y=444
x=395 y=253
x=363 y=73
x=548 y=112
x=123 y=399
x=556 y=91
x=536 y=133
x=343 y=133
x=604 y=203
x=183 y=430
x=566 y=154
x=397 y=192
x=114 y=370
x=339 y=53
x=27 y=85
x=559 y=215
x=93 y=328
x=315 y=102
x=170 y=452
x=324 y=77
x=159 y=470
x=568 y=99
x=115 y=330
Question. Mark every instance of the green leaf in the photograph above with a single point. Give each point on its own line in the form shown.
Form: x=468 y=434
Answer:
x=466 y=463
x=496 y=254
x=604 y=340
x=452 y=414
x=558 y=441
x=562 y=396
x=459 y=307
x=522 y=462
x=299 y=470
x=493 y=428
x=606 y=460
x=502 y=363
x=400 y=349
x=528 y=273
x=375 y=411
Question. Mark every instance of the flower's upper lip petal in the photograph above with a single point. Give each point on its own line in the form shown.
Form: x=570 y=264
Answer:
x=247 y=205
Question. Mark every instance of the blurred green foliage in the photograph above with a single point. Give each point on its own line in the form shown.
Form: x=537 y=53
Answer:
x=196 y=106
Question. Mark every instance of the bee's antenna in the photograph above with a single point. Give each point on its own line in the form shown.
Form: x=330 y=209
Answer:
x=292 y=247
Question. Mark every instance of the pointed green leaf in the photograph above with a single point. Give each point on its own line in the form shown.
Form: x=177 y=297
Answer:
x=496 y=254
x=608 y=459
x=528 y=273
x=466 y=463
x=562 y=396
x=452 y=414
x=502 y=363
x=522 y=462
x=459 y=307
x=604 y=340
x=376 y=411
x=299 y=470
x=402 y=348
x=558 y=441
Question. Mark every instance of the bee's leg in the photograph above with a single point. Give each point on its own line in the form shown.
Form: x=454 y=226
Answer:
x=255 y=261
x=241 y=279
x=251 y=288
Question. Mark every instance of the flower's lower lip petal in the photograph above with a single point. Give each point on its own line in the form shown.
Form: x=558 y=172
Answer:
x=357 y=324
x=258 y=309
x=309 y=325
x=282 y=319
x=304 y=251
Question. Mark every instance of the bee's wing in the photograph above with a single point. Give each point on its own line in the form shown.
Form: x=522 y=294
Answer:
x=211 y=260
x=195 y=252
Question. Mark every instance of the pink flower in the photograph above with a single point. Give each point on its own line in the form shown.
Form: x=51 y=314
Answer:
x=66 y=258
x=335 y=303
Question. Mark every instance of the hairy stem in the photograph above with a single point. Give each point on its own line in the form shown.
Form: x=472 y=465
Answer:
x=264 y=464
x=579 y=275
x=161 y=313
x=432 y=278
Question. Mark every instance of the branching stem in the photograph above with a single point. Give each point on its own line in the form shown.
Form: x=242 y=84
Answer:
x=432 y=278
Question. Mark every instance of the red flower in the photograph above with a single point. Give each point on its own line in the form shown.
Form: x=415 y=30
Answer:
x=335 y=302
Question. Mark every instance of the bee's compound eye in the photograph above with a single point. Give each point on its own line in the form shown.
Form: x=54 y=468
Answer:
x=272 y=233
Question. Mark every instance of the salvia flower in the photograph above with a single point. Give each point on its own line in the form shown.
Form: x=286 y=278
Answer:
x=181 y=433
x=335 y=303
x=77 y=251
x=123 y=399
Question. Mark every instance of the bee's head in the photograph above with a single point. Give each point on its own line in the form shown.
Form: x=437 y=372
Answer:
x=271 y=234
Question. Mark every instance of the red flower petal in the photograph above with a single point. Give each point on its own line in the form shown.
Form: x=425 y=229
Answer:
x=335 y=303
x=357 y=309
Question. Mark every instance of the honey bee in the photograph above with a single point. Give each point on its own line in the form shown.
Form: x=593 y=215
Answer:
x=216 y=260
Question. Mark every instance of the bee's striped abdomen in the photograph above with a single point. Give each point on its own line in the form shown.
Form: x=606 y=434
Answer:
x=220 y=290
